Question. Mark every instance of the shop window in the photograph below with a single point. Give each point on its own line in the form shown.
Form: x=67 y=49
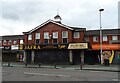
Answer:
x=55 y=41
x=10 y=42
x=4 y=42
x=29 y=37
x=104 y=38
x=95 y=38
x=37 y=35
x=114 y=37
x=76 y=34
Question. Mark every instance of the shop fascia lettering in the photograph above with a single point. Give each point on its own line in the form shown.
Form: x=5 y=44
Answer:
x=32 y=47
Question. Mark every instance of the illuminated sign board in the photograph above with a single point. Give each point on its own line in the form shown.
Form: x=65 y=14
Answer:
x=78 y=46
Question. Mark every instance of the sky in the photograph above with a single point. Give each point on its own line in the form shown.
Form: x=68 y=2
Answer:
x=17 y=16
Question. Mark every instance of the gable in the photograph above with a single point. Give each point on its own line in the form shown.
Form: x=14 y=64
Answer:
x=47 y=23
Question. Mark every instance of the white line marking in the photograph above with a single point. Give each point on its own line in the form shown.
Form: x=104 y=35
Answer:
x=46 y=74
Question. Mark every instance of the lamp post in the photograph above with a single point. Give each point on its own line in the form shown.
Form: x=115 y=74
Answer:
x=101 y=37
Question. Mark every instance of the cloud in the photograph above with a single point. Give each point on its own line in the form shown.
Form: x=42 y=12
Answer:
x=24 y=15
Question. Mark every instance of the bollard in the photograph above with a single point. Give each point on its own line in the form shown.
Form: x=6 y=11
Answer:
x=55 y=65
x=25 y=64
x=9 y=64
x=81 y=66
x=39 y=65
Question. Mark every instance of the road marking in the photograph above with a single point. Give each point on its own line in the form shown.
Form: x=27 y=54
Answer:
x=46 y=74
x=96 y=71
x=115 y=79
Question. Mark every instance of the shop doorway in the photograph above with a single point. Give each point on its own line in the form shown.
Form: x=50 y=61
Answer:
x=76 y=57
x=92 y=57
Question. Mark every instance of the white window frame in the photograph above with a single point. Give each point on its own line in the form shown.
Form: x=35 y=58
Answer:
x=114 y=37
x=15 y=42
x=4 y=42
x=95 y=38
x=10 y=42
x=76 y=34
x=21 y=41
x=105 y=38
x=55 y=35
x=66 y=36
x=37 y=35
x=30 y=37
x=46 y=35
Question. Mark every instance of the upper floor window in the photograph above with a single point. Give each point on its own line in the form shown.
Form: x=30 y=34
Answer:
x=114 y=37
x=0 y=42
x=95 y=38
x=21 y=41
x=46 y=37
x=15 y=42
x=76 y=35
x=86 y=39
x=10 y=42
x=65 y=37
x=65 y=34
x=55 y=37
x=37 y=35
x=4 y=42
x=104 y=38
x=29 y=37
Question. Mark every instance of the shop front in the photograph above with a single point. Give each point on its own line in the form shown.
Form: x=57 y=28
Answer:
x=59 y=54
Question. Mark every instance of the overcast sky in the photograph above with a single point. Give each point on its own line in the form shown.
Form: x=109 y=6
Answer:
x=19 y=16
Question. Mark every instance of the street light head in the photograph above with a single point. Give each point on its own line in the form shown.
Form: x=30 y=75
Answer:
x=101 y=10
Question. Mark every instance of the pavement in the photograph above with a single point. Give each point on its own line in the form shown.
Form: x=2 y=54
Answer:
x=110 y=68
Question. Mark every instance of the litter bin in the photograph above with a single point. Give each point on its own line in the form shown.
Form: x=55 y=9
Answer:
x=106 y=62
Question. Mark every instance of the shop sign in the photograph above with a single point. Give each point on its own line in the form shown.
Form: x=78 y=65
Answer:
x=29 y=47
x=78 y=46
x=14 y=47
x=7 y=48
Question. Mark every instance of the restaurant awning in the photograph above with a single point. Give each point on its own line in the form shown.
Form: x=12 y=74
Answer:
x=106 y=47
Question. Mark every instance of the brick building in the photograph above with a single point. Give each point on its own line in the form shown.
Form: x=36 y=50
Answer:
x=54 y=42
x=10 y=47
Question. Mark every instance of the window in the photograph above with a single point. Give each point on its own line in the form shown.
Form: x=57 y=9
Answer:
x=37 y=35
x=104 y=38
x=29 y=37
x=114 y=37
x=46 y=41
x=46 y=37
x=55 y=37
x=37 y=41
x=95 y=38
x=4 y=42
x=86 y=39
x=64 y=37
x=64 y=34
x=76 y=34
x=15 y=42
x=21 y=41
x=0 y=42
x=10 y=42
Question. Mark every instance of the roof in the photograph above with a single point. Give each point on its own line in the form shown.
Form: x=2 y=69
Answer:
x=8 y=37
x=104 y=32
x=60 y=24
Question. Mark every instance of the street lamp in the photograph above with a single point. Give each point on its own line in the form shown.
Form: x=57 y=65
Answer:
x=101 y=37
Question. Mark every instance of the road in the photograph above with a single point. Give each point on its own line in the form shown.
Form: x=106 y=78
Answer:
x=47 y=74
